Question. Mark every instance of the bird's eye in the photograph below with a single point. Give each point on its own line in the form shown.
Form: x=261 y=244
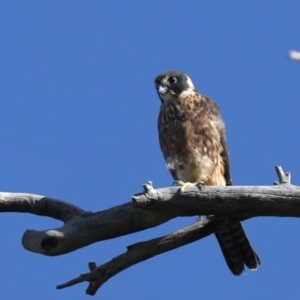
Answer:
x=173 y=80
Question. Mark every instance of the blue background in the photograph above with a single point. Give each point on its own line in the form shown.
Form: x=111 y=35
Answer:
x=79 y=123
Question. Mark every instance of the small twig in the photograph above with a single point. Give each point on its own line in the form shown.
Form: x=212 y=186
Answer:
x=283 y=177
x=150 y=193
x=89 y=277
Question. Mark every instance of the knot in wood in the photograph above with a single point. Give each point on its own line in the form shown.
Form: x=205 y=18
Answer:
x=145 y=199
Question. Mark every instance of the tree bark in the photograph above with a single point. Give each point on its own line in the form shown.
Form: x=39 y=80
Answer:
x=148 y=209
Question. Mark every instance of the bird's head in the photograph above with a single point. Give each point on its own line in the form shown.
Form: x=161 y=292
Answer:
x=173 y=84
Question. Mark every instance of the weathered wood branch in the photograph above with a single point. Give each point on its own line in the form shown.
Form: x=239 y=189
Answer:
x=82 y=228
x=142 y=251
x=147 y=209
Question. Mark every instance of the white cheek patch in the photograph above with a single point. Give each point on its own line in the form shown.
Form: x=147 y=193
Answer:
x=190 y=90
x=190 y=83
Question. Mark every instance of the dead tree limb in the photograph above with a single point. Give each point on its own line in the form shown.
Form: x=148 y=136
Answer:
x=141 y=251
x=147 y=209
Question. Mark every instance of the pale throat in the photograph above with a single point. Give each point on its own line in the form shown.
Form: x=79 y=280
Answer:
x=187 y=93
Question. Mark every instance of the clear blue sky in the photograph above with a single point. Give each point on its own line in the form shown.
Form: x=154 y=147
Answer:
x=78 y=123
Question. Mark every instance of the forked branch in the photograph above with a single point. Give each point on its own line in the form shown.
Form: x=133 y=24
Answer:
x=147 y=209
x=141 y=251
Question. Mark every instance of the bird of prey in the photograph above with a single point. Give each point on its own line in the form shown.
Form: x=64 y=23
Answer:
x=192 y=139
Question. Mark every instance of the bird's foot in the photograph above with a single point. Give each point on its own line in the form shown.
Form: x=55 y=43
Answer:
x=183 y=185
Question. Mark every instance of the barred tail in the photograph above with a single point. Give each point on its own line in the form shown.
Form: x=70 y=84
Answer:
x=235 y=246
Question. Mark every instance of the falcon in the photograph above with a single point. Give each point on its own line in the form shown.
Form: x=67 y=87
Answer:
x=192 y=139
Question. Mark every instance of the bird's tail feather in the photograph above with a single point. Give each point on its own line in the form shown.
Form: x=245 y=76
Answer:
x=235 y=246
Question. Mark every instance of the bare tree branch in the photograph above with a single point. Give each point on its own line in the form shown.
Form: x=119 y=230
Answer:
x=140 y=252
x=147 y=209
x=82 y=228
x=38 y=205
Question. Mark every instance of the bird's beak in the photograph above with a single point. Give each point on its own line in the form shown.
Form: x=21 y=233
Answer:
x=162 y=89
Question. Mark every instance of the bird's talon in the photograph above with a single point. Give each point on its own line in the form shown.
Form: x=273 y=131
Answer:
x=184 y=185
x=200 y=185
